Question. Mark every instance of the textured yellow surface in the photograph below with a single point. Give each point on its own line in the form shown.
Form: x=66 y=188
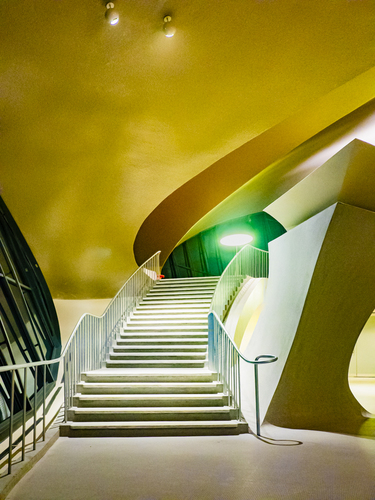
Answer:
x=100 y=124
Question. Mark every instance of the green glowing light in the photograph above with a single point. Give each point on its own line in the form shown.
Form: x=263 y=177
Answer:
x=236 y=240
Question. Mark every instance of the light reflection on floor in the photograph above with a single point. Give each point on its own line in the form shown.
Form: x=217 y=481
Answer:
x=364 y=390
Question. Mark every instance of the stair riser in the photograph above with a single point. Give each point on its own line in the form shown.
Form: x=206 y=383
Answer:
x=162 y=403
x=171 y=305
x=153 y=349
x=167 y=317
x=176 y=297
x=158 y=357
x=173 y=336
x=156 y=364
x=148 y=417
x=198 y=311
x=149 y=378
x=201 y=343
x=165 y=328
x=166 y=323
x=162 y=389
x=66 y=431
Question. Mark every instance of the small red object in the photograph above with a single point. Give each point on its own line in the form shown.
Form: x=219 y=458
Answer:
x=161 y=276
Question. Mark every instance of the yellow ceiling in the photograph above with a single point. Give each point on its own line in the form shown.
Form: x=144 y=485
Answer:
x=100 y=124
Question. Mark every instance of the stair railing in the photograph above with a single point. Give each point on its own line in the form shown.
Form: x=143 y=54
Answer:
x=86 y=349
x=223 y=355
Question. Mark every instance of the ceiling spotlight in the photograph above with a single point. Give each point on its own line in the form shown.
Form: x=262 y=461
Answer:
x=168 y=28
x=111 y=15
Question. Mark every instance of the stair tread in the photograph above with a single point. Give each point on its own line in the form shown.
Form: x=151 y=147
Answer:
x=169 y=319
x=187 y=305
x=152 y=409
x=218 y=395
x=149 y=371
x=167 y=348
x=166 y=322
x=190 y=298
x=156 y=423
x=162 y=328
x=150 y=384
x=153 y=361
x=169 y=334
x=157 y=354
x=166 y=316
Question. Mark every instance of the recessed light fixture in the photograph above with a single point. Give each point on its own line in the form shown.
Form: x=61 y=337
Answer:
x=112 y=16
x=236 y=240
x=168 y=28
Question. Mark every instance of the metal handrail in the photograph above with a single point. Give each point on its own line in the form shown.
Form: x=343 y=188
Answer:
x=223 y=354
x=249 y=261
x=86 y=349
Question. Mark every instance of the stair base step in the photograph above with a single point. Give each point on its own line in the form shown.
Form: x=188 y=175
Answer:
x=151 y=429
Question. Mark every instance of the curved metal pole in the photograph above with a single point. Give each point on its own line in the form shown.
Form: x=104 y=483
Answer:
x=213 y=320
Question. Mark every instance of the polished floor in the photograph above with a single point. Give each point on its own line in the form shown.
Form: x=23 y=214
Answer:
x=289 y=464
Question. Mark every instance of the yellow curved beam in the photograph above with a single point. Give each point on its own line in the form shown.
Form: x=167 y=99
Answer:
x=176 y=215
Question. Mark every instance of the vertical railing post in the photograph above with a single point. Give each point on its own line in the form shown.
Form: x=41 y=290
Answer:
x=211 y=341
x=24 y=413
x=35 y=405
x=44 y=402
x=66 y=388
x=257 y=413
x=11 y=423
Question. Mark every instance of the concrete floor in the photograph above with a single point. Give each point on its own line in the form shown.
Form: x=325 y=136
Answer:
x=324 y=466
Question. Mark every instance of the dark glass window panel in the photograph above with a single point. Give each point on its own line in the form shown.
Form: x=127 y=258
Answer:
x=10 y=323
x=6 y=355
x=24 y=313
x=28 y=322
x=4 y=264
x=34 y=316
x=7 y=253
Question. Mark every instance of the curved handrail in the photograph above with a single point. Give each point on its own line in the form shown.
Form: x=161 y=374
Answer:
x=86 y=346
x=223 y=354
x=249 y=261
x=72 y=335
x=251 y=361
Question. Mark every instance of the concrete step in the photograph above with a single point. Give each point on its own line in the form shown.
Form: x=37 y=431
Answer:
x=155 y=364
x=162 y=312
x=197 y=279
x=149 y=388
x=147 y=322
x=166 y=295
x=165 y=328
x=171 y=305
x=157 y=356
x=185 y=289
x=158 y=335
x=155 y=428
x=172 y=413
x=167 y=316
x=155 y=348
x=150 y=375
x=189 y=298
x=163 y=341
x=148 y=400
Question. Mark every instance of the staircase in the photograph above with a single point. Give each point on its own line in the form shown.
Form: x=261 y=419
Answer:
x=156 y=381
